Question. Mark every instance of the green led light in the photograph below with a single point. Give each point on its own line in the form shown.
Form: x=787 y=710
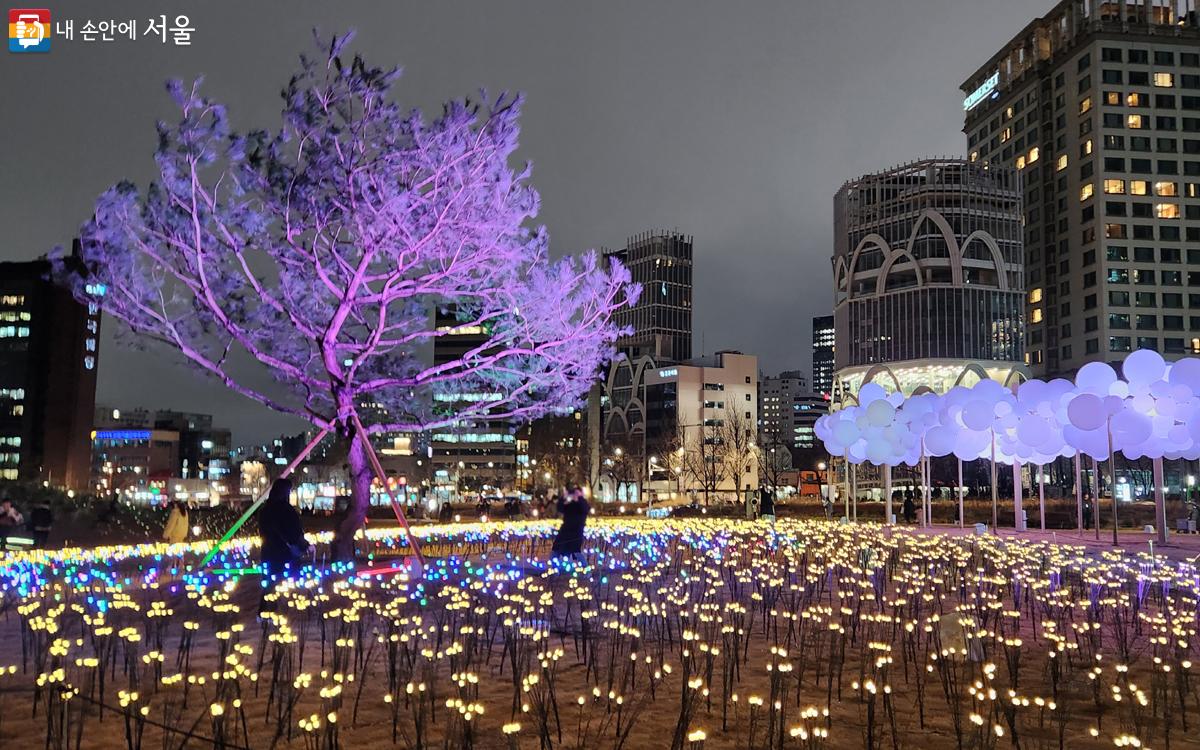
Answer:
x=237 y=571
x=232 y=530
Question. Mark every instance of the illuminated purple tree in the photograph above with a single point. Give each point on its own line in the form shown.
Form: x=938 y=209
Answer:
x=322 y=252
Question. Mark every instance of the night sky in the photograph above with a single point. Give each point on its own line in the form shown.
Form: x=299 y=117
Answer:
x=733 y=121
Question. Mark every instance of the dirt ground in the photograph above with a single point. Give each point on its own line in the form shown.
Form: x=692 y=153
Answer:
x=695 y=633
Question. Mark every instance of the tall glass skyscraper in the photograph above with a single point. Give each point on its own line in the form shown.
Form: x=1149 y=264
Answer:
x=662 y=318
x=823 y=339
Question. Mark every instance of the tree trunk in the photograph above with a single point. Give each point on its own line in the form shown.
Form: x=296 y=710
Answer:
x=360 y=500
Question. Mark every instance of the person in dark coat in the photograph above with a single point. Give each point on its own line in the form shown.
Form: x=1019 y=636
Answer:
x=573 y=508
x=41 y=519
x=766 y=505
x=283 y=542
x=910 y=510
x=10 y=520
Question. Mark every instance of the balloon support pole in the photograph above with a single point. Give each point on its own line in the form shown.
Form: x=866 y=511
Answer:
x=887 y=494
x=1042 y=495
x=1160 y=505
x=1079 y=493
x=1018 y=504
x=961 y=491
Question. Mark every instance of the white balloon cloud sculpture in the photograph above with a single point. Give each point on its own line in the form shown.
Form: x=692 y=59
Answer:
x=1153 y=411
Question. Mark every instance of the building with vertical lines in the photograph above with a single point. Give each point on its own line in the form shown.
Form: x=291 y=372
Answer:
x=823 y=341
x=49 y=350
x=1098 y=105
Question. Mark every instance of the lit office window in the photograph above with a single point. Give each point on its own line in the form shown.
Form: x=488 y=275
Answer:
x=1139 y=187
x=1085 y=192
x=1114 y=187
x=1137 y=122
x=1167 y=189
x=1166 y=210
x=1061 y=164
x=1164 y=80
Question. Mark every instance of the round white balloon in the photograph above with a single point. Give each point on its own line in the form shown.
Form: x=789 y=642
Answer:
x=1095 y=377
x=1143 y=366
x=1086 y=412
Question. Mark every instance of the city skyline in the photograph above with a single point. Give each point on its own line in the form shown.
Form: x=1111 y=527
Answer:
x=733 y=126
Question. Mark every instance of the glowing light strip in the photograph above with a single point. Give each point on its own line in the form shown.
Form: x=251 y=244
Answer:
x=381 y=571
x=237 y=571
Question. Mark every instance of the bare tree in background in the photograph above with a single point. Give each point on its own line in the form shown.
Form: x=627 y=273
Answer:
x=624 y=463
x=774 y=460
x=703 y=458
x=665 y=462
x=739 y=449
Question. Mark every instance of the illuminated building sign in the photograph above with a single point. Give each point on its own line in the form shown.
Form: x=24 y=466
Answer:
x=93 y=325
x=471 y=397
x=473 y=437
x=121 y=435
x=979 y=94
x=668 y=373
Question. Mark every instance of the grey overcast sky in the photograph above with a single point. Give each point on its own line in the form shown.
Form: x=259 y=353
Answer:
x=732 y=120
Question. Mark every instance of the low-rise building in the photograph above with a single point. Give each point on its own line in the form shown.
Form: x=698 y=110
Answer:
x=788 y=411
x=701 y=428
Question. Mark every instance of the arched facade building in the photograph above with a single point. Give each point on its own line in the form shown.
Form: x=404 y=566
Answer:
x=928 y=278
